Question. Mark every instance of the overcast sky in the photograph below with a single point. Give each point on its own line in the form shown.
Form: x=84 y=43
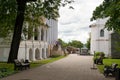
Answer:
x=74 y=23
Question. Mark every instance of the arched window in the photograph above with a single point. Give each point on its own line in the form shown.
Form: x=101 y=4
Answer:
x=36 y=34
x=42 y=34
x=101 y=33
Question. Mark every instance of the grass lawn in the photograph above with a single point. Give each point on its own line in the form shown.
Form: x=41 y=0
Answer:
x=108 y=62
x=9 y=68
x=49 y=60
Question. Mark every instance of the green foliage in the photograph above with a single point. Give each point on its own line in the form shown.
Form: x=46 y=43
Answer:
x=63 y=44
x=38 y=10
x=34 y=11
x=110 y=9
x=47 y=8
x=42 y=62
x=76 y=44
x=12 y=13
x=54 y=56
x=98 y=54
x=6 y=69
x=10 y=67
x=73 y=43
x=7 y=16
x=88 y=44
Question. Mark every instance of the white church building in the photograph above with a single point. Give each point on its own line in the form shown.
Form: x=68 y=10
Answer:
x=37 y=47
x=103 y=40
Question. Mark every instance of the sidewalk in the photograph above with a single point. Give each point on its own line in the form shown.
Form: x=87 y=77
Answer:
x=73 y=67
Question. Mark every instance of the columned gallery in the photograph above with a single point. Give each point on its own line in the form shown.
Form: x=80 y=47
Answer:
x=34 y=47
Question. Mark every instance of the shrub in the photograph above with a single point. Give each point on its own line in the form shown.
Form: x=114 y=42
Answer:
x=55 y=55
x=98 y=54
x=102 y=54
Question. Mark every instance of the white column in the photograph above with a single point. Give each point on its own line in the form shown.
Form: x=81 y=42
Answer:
x=52 y=31
x=34 y=54
x=44 y=38
x=33 y=49
x=109 y=46
x=47 y=35
x=39 y=36
x=56 y=29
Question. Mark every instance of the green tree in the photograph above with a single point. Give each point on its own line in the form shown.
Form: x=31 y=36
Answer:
x=12 y=14
x=88 y=44
x=76 y=44
x=8 y=10
x=109 y=9
x=63 y=44
x=21 y=5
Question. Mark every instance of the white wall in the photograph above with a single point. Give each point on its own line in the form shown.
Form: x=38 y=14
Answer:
x=4 y=52
x=52 y=30
x=52 y=36
x=100 y=44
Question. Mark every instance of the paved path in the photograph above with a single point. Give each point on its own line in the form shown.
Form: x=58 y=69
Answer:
x=73 y=67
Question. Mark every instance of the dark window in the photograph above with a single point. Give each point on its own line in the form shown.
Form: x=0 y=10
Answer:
x=42 y=34
x=101 y=33
x=36 y=34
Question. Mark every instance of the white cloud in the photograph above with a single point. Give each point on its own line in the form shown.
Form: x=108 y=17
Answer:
x=74 y=24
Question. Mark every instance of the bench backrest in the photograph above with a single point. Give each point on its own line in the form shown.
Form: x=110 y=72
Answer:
x=114 y=66
x=17 y=62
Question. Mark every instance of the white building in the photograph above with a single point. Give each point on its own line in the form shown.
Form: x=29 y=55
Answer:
x=103 y=40
x=100 y=37
x=35 y=47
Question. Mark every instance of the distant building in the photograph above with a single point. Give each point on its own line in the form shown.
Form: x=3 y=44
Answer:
x=73 y=50
x=103 y=40
x=84 y=51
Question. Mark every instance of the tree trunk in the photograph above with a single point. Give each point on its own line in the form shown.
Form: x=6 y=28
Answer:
x=17 y=31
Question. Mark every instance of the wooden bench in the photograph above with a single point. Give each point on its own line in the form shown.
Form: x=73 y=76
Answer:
x=21 y=65
x=110 y=70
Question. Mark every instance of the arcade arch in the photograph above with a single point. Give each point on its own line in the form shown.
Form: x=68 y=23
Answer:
x=30 y=54
x=37 y=54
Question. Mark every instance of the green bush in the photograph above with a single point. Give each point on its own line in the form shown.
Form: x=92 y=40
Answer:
x=98 y=54
x=55 y=56
x=102 y=54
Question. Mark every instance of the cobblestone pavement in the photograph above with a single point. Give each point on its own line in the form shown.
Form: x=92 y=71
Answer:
x=73 y=67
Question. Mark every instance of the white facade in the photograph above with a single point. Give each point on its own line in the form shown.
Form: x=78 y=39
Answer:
x=100 y=37
x=52 y=31
x=37 y=47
